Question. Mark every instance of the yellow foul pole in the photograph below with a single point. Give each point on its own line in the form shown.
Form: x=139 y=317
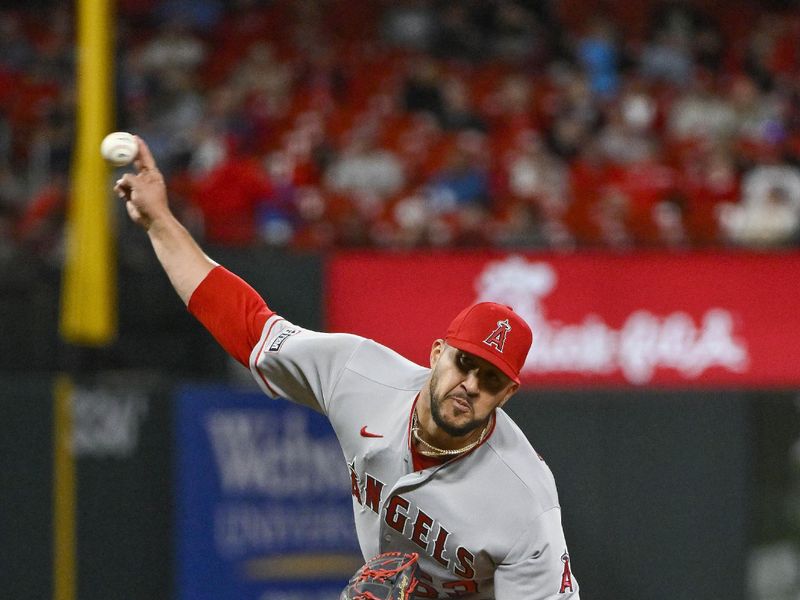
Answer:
x=88 y=299
x=88 y=292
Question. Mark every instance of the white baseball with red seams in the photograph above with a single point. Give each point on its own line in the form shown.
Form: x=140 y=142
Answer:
x=119 y=148
x=486 y=524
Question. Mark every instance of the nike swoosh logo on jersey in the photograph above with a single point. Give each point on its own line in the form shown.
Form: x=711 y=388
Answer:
x=365 y=433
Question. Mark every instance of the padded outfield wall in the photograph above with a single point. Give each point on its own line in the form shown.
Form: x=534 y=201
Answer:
x=670 y=489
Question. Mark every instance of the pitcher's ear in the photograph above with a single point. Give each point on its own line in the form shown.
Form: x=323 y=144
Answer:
x=437 y=348
x=511 y=391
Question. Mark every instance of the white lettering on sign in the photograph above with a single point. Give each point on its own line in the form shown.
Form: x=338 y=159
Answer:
x=106 y=423
x=265 y=452
x=644 y=342
x=246 y=528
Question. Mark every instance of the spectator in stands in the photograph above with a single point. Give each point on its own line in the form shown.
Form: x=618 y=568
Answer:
x=54 y=44
x=320 y=80
x=605 y=110
x=231 y=197
x=222 y=125
x=180 y=111
x=417 y=147
x=463 y=182
x=769 y=211
x=772 y=221
x=412 y=217
x=459 y=34
x=161 y=92
x=771 y=54
x=653 y=201
x=314 y=229
x=364 y=168
x=757 y=115
x=261 y=77
x=38 y=229
x=667 y=57
x=459 y=193
x=598 y=54
x=51 y=141
x=700 y=113
x=174 y=47
x=17 y=53
x=534 y=174
x=589 y=174
x=694 y=26
x=627 y=136
x=669 y=218
x=422 y=87
x=307 y=148
x=574 y=115
x=760 y=182
x=199 y=15
x=709 y=179
x=516 y=35
x=410 y=24
x=512 y=106
x=457 y=112
x=609 y=223
x=277 y=220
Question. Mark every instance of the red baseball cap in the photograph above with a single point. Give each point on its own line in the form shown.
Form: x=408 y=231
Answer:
x=493 y=332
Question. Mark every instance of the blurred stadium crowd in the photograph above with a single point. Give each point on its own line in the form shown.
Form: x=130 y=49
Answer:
x=314 y=124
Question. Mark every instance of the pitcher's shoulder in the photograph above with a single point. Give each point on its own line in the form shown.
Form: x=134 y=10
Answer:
x=522 y=464
x=384 y=366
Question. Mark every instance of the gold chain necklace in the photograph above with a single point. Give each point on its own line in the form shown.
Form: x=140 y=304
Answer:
x=432 y=450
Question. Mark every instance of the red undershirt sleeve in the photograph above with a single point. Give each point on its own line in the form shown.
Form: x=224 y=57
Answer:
x=232 y=311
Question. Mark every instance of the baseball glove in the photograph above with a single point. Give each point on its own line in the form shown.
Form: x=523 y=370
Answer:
x=388 y=576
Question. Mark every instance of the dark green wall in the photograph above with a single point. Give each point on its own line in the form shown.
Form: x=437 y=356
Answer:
x=124 y=510
x=653 y=486
x=156 y=331
x=663 y=492
x=25 y=489
x=656 y=487
x=124 y=481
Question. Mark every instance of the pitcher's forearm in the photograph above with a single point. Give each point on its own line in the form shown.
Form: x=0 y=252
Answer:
x=183 y=260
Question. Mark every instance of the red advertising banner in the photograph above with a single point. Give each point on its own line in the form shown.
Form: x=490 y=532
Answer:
x=646 y=319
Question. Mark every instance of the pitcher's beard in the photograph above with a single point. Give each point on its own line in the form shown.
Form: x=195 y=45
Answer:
x=449 y=428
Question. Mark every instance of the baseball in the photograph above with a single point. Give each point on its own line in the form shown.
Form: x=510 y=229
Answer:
x=119 y=148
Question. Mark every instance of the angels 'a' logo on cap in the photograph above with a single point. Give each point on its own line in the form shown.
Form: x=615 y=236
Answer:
x=498 y=337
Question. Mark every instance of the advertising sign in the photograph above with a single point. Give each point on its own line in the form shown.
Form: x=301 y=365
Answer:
x=600 y=319
x=263 y=500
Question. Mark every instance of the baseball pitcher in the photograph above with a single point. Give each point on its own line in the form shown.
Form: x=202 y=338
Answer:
x=437 y=468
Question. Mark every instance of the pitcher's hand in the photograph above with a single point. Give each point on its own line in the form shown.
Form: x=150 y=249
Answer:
x=144 y=192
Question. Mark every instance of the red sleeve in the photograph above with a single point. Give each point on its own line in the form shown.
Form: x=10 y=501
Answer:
x=231 y=310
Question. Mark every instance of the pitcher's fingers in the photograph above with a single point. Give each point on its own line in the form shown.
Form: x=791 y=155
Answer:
x=144 y=159
x=123 y=188
x=125 y=183
x=133 y=212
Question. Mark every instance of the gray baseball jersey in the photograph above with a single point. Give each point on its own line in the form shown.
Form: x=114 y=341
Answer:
x=486 y=524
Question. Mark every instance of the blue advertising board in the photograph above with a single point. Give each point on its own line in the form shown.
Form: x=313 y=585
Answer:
x=263 y=500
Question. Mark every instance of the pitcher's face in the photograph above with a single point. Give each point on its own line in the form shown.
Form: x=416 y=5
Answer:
x=464 y=390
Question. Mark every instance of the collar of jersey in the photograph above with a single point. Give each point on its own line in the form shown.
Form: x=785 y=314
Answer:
x=454 y=458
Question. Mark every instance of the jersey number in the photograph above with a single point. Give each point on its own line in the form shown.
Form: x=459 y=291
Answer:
x=454 y=589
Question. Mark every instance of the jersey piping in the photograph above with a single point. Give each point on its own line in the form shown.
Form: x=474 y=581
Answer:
x=261 y=349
